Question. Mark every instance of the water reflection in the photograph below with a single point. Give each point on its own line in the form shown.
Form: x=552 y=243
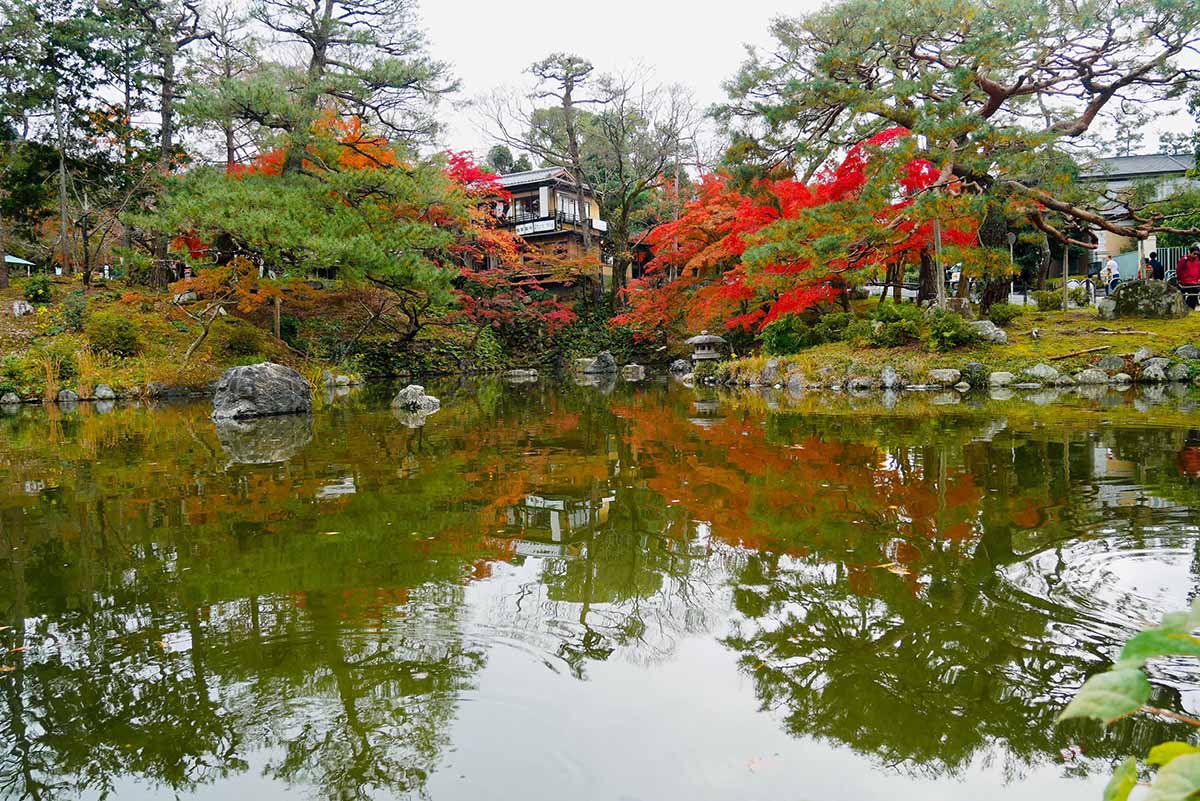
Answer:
x=921 y=587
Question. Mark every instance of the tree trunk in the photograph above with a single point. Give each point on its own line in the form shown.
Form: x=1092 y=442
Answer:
x=3 y=256
x=63 y=236
x=166 y=145
x=299 y=137
x=1044 y=263
x=926 y=289
x=993 y=234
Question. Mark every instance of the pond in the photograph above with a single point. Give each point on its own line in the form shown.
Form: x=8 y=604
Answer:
x=550 y=591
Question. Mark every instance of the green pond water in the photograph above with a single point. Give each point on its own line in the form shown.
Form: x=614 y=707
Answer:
x=559 y=592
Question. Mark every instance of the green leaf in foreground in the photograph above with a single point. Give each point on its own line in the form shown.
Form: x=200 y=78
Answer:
x=1163 y=753
x=1179 y=780
x=1109 y=696
x=1154 y=643
x=1123 y=780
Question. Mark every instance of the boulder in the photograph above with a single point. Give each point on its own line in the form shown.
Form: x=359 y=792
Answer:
x=1157 y=361
x=963 y=386
x=261 y=390
x=1026 y=385
x=1153 y=375
x=103 y=392
x=633 y=372
x=890 y=379
x=1147 y=299
x=1179 y=372
x=1000 y=379
x=975 y=374
x=988 y=331
x=770 y=373
x=185 y=297
x=1063 y=381
x=1188 y=352
x=20 y=308
x=681 y=367
x=860 y=384
x=520 y=376
x=1043 y=373
x=9 y=399
x=1122 y=378
x=1091 y=376
x=603 y=363
x=1110 y=363
x=264 y=440
x=947 y=377
x=413 y=398
x=1141 y=354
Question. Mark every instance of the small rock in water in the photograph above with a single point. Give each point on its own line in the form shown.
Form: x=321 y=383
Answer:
x=1157 y=361
x=963 y=386
x=103 y=392
x=603 y=363
x=890 y=379
x=9 y=399
x=521 y=376
x=1027 y=385
x=1179 y=372
x=1091 y=376
x=947 y=377
x=1000 y=378
x=67 y=396
x=1041 y=372
x=1122 y=378
x=414 y=399
x=633 y=372
x=1153 y=375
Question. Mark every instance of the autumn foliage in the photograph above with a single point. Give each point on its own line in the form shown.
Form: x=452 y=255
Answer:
x=739 y=257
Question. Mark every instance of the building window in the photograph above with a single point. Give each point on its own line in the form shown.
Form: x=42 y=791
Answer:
x=526 y=208
x=568 y=208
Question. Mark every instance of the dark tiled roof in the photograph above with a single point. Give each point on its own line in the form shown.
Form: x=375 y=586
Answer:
x=1146 y=166
x=530 y=176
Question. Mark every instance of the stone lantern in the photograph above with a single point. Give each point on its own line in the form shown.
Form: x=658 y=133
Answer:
x=706 y=347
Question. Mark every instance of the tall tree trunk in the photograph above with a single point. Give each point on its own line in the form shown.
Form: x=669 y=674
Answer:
x=293 y=162
x=993 y=234
x=166 y=145
x=926 y=289
x=1043 y=273
x=127 y=143
x=3 y=256
x=63 y=229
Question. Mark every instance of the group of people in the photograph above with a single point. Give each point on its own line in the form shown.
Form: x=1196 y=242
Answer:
x=1187 y=273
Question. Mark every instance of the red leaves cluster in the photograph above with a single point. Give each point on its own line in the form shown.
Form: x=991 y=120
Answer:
x=698 y=279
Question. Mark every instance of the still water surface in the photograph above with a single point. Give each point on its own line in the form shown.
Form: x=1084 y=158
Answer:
x=554 y=592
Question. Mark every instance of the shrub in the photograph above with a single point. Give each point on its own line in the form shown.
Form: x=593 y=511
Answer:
x=74 y=310
x=109 y=332
x=832 y=327
x=896 y=333
x=1079 y=296
x=787 y=335
x=1004 y=313
x=1047 y=299
x=948 y=330
x=890 y=312
x=858 y=331
x=37 y=289
x=243 y=340
x=704 y=371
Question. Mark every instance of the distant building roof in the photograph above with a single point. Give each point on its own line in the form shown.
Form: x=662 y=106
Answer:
x=1147 y=166
x=532 y=176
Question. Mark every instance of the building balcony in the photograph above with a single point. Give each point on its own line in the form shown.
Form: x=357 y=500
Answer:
x=527 y=224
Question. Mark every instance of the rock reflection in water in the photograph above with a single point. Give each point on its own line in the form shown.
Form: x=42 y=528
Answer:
x=264 y=440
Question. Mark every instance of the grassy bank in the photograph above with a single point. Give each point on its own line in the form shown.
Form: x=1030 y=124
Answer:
x=1033 y=338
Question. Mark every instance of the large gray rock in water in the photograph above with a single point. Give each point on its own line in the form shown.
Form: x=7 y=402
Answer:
x=946 y=377
x=989 y=332
x=1122 y=378
x=1179 y=372
x=261 y=390
x=603 y=363
x=1042 y=373
x=1157 y=361
x=1188 y=352
x=1110 y=363
x=1153 y=299
x=1153 y=375
x=67 y=396
x=262 y=440
x=10 y=399
x=103 y=392
x=20 y=308
x=413 y=398
x=890 y=379
x=1000 y=379
x=521 y=376
x=681 y=367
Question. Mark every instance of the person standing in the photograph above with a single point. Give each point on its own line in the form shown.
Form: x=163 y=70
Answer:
x=1187 y=274
x=1157 y=271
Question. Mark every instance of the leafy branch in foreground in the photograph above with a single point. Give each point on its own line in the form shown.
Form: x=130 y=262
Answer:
x=1124 y=690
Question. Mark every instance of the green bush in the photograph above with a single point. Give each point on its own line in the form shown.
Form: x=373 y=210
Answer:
x=704 y=370
x=18 y=374
x=74 y=310
x=896 y=333
x=109 y=332
x=1079 y=296
x=37 y=289
x=787 y=335
x=62 y=351
x=1004 y=313
x=858 y=332
x=1047 y=299
x=243 y=340
x=832 y=327
x=890 y=312
x=948 y=330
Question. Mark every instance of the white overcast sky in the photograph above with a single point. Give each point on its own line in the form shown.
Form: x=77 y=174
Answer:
x=490 y=44
x=699 y=44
